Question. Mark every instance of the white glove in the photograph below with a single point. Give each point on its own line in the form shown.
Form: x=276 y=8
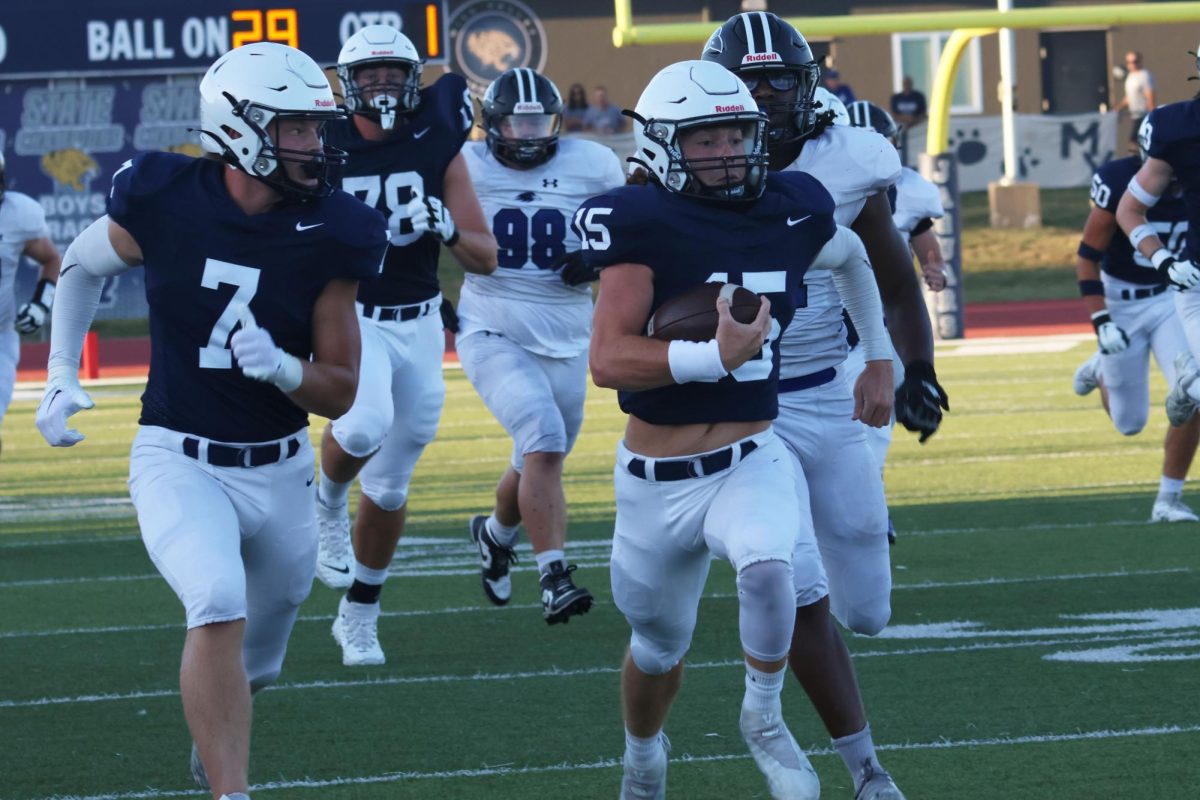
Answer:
x=31 y=317
x=1111 y=337
x=1180 y=272
x=64 y=397
x=430 y=215
x=261 y=359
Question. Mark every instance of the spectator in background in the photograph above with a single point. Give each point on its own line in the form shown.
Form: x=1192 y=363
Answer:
x=908 y=105
x=603 y=117
x=1139 y=92
x=575 y=110
x=840 y=90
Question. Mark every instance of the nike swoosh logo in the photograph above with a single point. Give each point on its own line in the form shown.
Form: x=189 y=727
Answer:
x=343 y=570
x=301 y=227
x=419 y=134
x=65 y=269
x=309 y=481
x=792 y=222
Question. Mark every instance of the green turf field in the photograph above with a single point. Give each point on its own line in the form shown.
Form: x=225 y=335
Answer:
x=1044 y=643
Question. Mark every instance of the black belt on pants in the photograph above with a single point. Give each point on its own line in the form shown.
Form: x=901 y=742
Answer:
x=1141 y=294
x=809 y=381
x=252 y=455
x=680 y=469
x=397 y=313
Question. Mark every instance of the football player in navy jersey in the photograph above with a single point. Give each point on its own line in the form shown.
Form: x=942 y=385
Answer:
x=252 y=262
x=23 y=233
x=1134 y=315
x=1170 y=137
x=404 y=159
x=840 y=473
x=524 y=329
x=700 y=471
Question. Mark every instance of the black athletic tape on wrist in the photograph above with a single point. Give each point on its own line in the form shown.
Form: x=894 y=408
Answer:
x=1101 y=317
x=1090 y=253
x=1087 y=288
x=453 y=240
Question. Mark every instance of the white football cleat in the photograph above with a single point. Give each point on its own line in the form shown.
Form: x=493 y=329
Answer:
x=789 y=774
x=876 y=784
x=1180 y=405
x=335 y=554
x=1087 y=377
x=356 y=629
x=649 y=783
x=1169 y=508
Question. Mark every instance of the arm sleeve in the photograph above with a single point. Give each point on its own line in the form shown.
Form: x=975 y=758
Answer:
x=845 y=255
x=88 y=260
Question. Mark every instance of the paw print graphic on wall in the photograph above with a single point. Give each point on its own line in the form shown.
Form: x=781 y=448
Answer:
x=1026 y=161
x=968 y=148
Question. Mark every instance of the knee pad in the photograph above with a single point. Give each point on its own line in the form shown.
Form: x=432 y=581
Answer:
x=1129 y=422
x=540 y=431
x=767 y=609
x=868 y=617
x=222 y=600
x=388 y=496
x=655 y=656
x=360 y=433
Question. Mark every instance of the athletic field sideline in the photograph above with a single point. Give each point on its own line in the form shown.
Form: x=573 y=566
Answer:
x=1044 y=641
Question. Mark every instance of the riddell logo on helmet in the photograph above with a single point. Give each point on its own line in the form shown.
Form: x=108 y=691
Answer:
x=528 y=108
x=723 y=109
x=323 y=103
x=757 y=58
x=383 y=52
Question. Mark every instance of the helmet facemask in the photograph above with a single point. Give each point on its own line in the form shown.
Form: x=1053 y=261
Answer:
x=523 y=140
x=724 y=178
x=791 y=112
x=381 y=100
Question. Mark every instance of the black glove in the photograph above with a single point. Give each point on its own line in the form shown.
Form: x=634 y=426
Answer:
x=573 y=270
x=449 y=316
x=920 y=400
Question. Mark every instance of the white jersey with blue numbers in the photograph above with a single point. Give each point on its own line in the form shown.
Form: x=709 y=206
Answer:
x=21 y=219
x=529 y=212
x=916 y=199
x=852 y=164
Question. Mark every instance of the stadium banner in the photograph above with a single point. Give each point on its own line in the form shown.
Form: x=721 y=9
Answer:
x=1055 y=151
x=174 y=36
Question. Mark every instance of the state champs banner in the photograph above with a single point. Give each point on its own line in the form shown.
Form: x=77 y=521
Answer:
x=1053 y=151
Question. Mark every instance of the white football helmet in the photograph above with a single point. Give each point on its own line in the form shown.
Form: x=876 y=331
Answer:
x=690 y=94
x=244 y=90
x=830 y=102
x=380 y=44
x=1144 y=131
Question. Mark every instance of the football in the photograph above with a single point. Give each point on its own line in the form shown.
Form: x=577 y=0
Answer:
x=692 y=316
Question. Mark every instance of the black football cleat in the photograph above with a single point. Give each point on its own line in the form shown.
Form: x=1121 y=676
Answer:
x=494 y=560
x=561 y=598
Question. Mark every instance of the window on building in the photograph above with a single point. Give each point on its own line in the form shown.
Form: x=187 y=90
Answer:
x=918 y=54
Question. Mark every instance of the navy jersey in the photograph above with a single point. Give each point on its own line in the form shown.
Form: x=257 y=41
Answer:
x=1168 y=217
x=205 y=259
x=386 y=175
x=1173 y=135
x=766 y=247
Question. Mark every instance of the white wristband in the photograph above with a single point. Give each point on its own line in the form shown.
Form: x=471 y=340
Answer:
x=290 y=374
x=1140 y=194
x=1160 y=255
x=1140 y=233
x=695 y=361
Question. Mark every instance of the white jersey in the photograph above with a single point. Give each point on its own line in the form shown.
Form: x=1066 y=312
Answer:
x=21 y=219
x=916 y=199
x=529 y=212
x=852 y=164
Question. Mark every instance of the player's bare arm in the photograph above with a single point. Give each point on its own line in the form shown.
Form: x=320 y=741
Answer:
x=929 y=255
x=908 y=319
x=44 y=252
x=1098 y=231
x=331 y=378
x=1151 y=181
x=476 y=247
x=621 y=356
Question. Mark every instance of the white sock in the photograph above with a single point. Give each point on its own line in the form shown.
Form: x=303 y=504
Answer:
x=763 y=690
x=331 y=493
x=364 y=574
x=235 y=796
x=857 y=750
x=1170 y=486
x=641 y=751
x=504 y=535
x=548 y=557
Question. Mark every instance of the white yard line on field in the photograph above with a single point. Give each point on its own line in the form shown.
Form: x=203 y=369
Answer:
x=613 y=763
x=409 y=680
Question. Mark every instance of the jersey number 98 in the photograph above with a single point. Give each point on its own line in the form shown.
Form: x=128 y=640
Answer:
x=522 y=240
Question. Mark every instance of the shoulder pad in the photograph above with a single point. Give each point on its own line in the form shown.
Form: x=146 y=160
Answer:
x=27 y=218
x=143 y=175
x=1110 y=180
x=609 y=226
x=852 y=163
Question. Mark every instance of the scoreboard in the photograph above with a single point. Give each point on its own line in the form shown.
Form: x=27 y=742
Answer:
x=68 y=38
